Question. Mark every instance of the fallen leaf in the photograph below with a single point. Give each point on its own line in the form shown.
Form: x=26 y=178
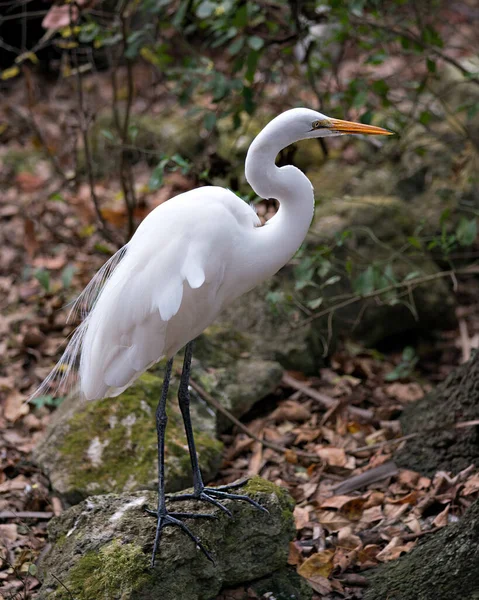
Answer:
x=394 y=549
x=335 y=457
x=319 y=563
x=290 y=410
x=18 y=483
x=294 y=556
x=472 y=485
x=410 y=498
x=405 y=392
x=301 y=517
x=442 y=518
x=332 y=520
x=8 y=533
x=15 y=406
x=28 y=182
x=347 y=539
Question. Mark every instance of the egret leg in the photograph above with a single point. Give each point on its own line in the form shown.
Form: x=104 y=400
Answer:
x=164 y=518
x=200 y=492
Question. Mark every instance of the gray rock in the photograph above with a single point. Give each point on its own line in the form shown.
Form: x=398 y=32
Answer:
x=101 y=548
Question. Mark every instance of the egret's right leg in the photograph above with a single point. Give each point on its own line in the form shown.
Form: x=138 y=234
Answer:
x=164 y=518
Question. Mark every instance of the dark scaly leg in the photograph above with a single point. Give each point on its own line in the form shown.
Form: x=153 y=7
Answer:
x=200 y=492
x=164 y=518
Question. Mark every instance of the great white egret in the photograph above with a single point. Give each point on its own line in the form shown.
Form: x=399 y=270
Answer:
x=188 y=259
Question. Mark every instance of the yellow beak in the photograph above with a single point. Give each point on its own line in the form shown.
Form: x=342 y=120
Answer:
x=350 y=127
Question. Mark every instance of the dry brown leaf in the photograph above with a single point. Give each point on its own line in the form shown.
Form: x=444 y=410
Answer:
x=336 y=502
x=18 y=483
x=334 y=457
x=347 y=539
x=405 y=392
x=15 y=406
x=371 y=515
x=472 y=485
x=394 y=549
x=410 y=498
x=8 y=533
x=290 y=410
x=319 y=563
x=29 y=182
x=332 y=520
x=442 y=518
x=301 y=517
x=294 y=556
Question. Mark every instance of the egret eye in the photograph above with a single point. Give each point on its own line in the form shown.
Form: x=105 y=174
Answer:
x=316 y=124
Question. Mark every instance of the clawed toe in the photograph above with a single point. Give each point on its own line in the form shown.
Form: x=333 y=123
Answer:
x=171 y=519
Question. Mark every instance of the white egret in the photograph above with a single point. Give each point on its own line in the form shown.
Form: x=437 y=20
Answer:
x=188 y=259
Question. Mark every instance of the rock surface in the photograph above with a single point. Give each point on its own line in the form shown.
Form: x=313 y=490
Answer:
x=101 y=548
x=444 y=566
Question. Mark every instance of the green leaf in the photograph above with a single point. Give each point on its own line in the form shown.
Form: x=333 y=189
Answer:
x=43 y=278
x=106 y=133
x=209 y=121
x=255 y=42
x=412 y=275
x=431 y=65
x=67 y=275
x=332 y=280
x=236 y=45
x=364 y=283
x=314 y=304
x=425 y=117
x=360 y=99
x=466 y=231
x=415 y=242
x=32 y=569
x=205 y=9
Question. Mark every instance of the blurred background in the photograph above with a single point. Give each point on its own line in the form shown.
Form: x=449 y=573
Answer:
x=109 y=108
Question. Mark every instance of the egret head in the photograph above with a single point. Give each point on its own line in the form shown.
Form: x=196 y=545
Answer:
x=303 y=123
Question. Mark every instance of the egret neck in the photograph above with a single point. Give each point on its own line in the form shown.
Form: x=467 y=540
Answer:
x=274 y=244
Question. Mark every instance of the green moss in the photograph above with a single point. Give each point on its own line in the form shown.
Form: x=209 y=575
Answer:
x=221 y=346
x=115 y=570
x=257 y=485
x=125 y=436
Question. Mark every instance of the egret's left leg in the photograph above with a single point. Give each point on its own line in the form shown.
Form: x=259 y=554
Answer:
x=200 y=492
x=165 y=518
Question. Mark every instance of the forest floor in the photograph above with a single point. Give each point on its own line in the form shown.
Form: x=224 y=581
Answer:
x=49 y=251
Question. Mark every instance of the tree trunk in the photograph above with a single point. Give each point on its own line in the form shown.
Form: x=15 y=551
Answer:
x=444 y=566
x=441 y=445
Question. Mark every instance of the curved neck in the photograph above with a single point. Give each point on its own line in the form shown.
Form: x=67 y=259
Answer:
x=275 y=243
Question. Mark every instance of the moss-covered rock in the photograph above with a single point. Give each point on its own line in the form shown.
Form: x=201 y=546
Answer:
x=101 y=548
x=110 y=445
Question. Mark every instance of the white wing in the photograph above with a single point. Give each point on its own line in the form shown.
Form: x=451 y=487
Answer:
x=159 y=292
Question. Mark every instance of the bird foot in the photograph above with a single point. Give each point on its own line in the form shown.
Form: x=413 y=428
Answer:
x=214 y=495
x=165 y=519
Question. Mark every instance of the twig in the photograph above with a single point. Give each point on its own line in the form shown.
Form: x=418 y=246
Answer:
x=410 y=283
x=220 y=408
x=25 y=514
x=30 y=121
x=86 y=145
x=372 y=476
x=417 y=40
x=460 y=425
x=361 y=413
x=465 y=340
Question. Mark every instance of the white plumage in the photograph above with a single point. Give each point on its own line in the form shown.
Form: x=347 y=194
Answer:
x=188 y=259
